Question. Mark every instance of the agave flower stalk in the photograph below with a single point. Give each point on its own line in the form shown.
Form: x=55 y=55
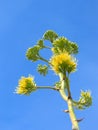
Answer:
x=68 y=99
x=63 y=63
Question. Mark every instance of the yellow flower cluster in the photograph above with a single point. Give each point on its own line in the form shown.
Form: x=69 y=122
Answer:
x=26 y=85
x=63 y=62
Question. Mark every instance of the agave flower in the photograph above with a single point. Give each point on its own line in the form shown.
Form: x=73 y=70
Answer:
x=63 y=62
x=26 y=85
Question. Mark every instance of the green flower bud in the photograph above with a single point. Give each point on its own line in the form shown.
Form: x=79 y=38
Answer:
x=58 y=85
x=85 y=100
x=74 y=48
x=40 y=43
x=62 y=44
x=50 y=35
x=33 y=53
x=42 y=69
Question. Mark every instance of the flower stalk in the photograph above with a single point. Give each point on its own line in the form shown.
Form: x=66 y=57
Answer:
x=47 y=87
x=63 y=63
x=68 y=99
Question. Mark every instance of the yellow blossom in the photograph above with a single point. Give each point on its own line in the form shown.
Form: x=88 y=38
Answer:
x=26 y=85
x=63 y=62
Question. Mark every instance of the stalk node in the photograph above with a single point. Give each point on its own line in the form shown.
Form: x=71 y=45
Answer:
x=69 y=97
x=67 y=111
x=79 y=120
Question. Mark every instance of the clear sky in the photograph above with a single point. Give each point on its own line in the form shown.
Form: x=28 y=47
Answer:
x=22 y=23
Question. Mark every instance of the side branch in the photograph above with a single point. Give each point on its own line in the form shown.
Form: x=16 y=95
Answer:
x=47 y=87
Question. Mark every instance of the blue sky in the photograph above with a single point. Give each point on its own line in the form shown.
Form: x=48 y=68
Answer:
x=22 y=23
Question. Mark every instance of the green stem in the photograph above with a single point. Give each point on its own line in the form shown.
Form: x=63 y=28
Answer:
x=47 y=47
x=69 y=102
x=41 y=58
x=46 y=87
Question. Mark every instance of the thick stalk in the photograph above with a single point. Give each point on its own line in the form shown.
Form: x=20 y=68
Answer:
x=68 y=87
x=72 y=115
x=69 y=102
x=63 y=85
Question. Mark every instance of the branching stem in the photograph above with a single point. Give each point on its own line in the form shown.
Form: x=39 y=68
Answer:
x=69 y=101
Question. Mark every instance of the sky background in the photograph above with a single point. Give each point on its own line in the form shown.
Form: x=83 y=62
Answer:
x=22 y=23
